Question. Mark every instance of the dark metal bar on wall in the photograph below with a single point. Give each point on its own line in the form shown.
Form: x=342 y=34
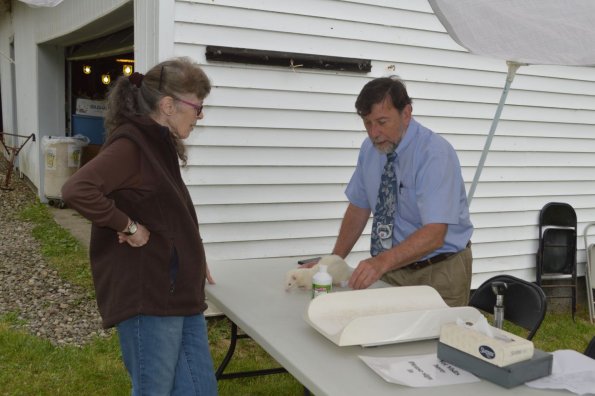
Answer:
x=287 y=59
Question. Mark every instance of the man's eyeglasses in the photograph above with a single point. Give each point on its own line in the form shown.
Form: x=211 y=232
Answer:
x=196 y=107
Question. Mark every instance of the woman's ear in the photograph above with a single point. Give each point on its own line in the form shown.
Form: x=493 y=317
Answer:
x=167 y=105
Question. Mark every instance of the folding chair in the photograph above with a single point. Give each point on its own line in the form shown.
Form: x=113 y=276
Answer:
x=590 y=274
x=524 y=302
x=556 y=255
x=590 y=351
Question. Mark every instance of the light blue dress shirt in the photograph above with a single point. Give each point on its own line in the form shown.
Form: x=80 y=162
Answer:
x=430 y=186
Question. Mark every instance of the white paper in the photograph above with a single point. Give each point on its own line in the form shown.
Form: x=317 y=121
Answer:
x=419 y=371
x=571 y=370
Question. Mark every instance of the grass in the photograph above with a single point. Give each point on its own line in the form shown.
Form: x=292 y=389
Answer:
x=62 y=251
x=32 y=366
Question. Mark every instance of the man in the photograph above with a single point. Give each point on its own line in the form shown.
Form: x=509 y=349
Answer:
x=425 y=238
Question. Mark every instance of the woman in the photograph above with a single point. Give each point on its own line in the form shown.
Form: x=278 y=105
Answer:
x=147 y=256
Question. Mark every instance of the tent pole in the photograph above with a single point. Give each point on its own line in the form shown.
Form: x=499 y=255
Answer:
x=512 y=68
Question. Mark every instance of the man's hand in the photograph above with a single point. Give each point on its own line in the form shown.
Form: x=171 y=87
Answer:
x=367 y=272
x=422 y=242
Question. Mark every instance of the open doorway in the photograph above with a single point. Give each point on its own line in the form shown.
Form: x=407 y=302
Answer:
x=91 y=68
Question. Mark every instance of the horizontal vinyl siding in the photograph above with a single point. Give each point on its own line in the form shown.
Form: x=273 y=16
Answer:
x=269 y=163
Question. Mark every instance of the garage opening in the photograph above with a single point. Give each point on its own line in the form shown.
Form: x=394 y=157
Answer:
x=91 y=68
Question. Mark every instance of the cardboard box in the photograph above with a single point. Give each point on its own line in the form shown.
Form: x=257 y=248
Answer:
x=540 y=365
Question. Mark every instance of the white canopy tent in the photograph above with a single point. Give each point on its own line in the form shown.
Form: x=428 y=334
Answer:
x=522 y=32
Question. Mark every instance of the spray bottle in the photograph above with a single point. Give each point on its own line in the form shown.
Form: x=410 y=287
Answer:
x=322 y=282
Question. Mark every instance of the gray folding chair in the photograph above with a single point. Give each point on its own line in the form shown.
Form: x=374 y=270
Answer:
x=556 y=255
x=590 y=272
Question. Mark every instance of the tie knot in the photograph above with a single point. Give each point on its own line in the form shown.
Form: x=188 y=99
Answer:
x=391 y=156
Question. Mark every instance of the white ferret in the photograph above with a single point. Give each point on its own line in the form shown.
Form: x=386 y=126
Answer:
x=338 y=269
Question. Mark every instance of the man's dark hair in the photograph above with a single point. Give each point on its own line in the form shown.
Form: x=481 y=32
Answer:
x=377 y=90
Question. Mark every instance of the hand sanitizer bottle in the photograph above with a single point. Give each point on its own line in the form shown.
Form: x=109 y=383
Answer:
x=322 y=282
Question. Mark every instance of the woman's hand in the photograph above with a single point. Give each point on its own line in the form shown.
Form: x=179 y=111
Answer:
x=210 y=279
x=138 y=239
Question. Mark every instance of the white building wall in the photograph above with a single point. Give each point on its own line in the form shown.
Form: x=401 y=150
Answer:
x=6 y=35
x=270 y=161
x=34 y=30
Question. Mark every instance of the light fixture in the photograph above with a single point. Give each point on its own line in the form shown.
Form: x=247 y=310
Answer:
x=87 y=69
x=106 y=79
x=127 y=70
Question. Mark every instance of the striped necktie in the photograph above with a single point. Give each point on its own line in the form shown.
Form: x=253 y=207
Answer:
x=382 y=226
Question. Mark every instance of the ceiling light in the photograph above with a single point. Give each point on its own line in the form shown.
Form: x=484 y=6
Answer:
x=127 y=70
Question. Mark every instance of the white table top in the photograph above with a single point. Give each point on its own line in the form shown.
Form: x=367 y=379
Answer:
x=251 y=293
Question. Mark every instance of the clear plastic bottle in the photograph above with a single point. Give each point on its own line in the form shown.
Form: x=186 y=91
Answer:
x=322 y=281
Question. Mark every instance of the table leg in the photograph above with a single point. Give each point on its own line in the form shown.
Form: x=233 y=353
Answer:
x=220 y=375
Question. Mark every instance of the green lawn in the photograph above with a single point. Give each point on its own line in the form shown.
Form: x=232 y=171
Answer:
x=32 y=366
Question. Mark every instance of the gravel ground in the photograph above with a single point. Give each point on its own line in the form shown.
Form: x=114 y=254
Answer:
x=46 y=305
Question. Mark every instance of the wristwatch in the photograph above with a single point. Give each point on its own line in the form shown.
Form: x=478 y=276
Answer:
x=132 y=227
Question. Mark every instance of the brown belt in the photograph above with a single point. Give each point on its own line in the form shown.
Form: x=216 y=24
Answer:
x=434 y=259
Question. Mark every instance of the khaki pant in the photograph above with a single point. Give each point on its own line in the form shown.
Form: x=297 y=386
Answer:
x=451 y=277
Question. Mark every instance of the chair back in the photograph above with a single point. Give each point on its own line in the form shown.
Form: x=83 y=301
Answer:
x=590 y=351
x=524 y=302
x=557 y=214
x=556 y=254
x=558 y=249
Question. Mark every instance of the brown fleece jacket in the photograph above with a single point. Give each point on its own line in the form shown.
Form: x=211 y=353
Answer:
x=137 y=175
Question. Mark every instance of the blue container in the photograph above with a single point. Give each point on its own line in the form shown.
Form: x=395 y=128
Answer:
x=89 y=126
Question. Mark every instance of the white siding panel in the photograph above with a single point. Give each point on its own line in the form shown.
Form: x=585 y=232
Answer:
x=269 y=163
x=274 y=118
x=218 y=214
x=391 y=13
x=257 y=21
x=254 y=193
x=534 y=128
x=521 y=174
x=277 y=99
x=562 y=189
x=265 y=230
x=229 y=156
x=273 y=137
x=214 y=175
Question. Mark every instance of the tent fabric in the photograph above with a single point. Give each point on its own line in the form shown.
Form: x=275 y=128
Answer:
x=118 y=43
x=546 y=32
x=41 y=3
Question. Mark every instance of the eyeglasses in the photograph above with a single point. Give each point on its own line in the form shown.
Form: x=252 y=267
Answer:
x=196 y=107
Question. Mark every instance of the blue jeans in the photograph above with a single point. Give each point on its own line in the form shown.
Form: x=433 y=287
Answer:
x=167 y=355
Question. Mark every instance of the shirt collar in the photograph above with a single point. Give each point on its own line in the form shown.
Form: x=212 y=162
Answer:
x=409 y=136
